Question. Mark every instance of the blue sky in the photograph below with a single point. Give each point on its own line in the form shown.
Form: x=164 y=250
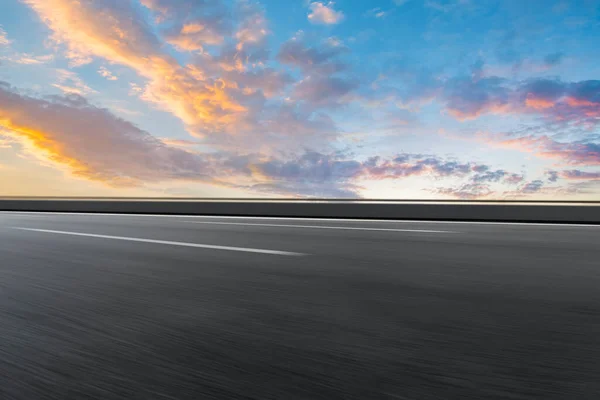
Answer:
x=406 y=99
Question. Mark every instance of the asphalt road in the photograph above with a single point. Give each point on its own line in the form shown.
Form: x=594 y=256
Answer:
x=150 y=307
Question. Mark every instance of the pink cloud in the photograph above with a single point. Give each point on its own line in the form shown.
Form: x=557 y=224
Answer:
x=538 y=103
x=470 y=98
x=571 y=153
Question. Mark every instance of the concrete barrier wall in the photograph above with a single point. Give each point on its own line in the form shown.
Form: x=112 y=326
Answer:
x=462 y=211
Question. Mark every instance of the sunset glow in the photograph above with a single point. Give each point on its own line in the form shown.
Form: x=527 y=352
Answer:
x=415 y=99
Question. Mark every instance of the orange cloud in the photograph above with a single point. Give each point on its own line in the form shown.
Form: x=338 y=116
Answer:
x=468 y=115
x=575 y=102
x=116 y=33
x=92 y=143
x=538 y=103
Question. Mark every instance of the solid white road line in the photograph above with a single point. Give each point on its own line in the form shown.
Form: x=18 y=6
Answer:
x=202 y=246
x=344 y=228
x=355 y=220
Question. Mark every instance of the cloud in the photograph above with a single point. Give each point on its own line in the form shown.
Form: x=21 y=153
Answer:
x=377 y=12
x=115 y=31
x=179 y=142
x=407 y=164
x=326 y=81
x=336 y=175
x=4 y=41
x=493 y=176
x=552 y=176
x=28 y=59
x=323 y=58
x=312 y=165
x=513 y=179
x=192 y=25
x=532 y=187
x=70 y=83
x=563 y=101
x=576 y=174
x=253 y=31
x=542 y=94
x=555 y=100
x=324 y=91
x=195 y=36
x=92 y=143
x=104 y=72
x=324 y=14
x=105 y=28
x=467 y=98
x=467 y=191
x=228 y=97
x=570 y=153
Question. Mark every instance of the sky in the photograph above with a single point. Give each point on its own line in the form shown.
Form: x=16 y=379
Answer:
x=379 y=99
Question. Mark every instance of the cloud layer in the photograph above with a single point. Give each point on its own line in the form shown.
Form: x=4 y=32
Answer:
x=305 y=105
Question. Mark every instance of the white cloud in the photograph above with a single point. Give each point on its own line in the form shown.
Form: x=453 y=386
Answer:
x=3 y=38
x=103 y=71
x=70 y=83
x=324 y=14
x=28 y=59
x=377 y=12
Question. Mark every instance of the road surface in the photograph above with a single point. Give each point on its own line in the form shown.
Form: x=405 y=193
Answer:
x=165 y=307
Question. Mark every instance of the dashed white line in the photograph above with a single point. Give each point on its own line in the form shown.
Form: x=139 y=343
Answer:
x=166 y=242
x=343 y=228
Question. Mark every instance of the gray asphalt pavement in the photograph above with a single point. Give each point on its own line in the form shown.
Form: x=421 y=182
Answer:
x=150 y=307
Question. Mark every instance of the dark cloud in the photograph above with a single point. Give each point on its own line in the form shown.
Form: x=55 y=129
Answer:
x=312 y=166
x=556 y=100
x=490 y=176
x=586 y=92
x=552 y=176
x=404 y=165
x=532 y=187
x=576 y=174
x=545 y=89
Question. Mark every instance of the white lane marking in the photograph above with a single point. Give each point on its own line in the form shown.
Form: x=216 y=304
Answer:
x=349 y=228
x=355 y=220
x=202 y=246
